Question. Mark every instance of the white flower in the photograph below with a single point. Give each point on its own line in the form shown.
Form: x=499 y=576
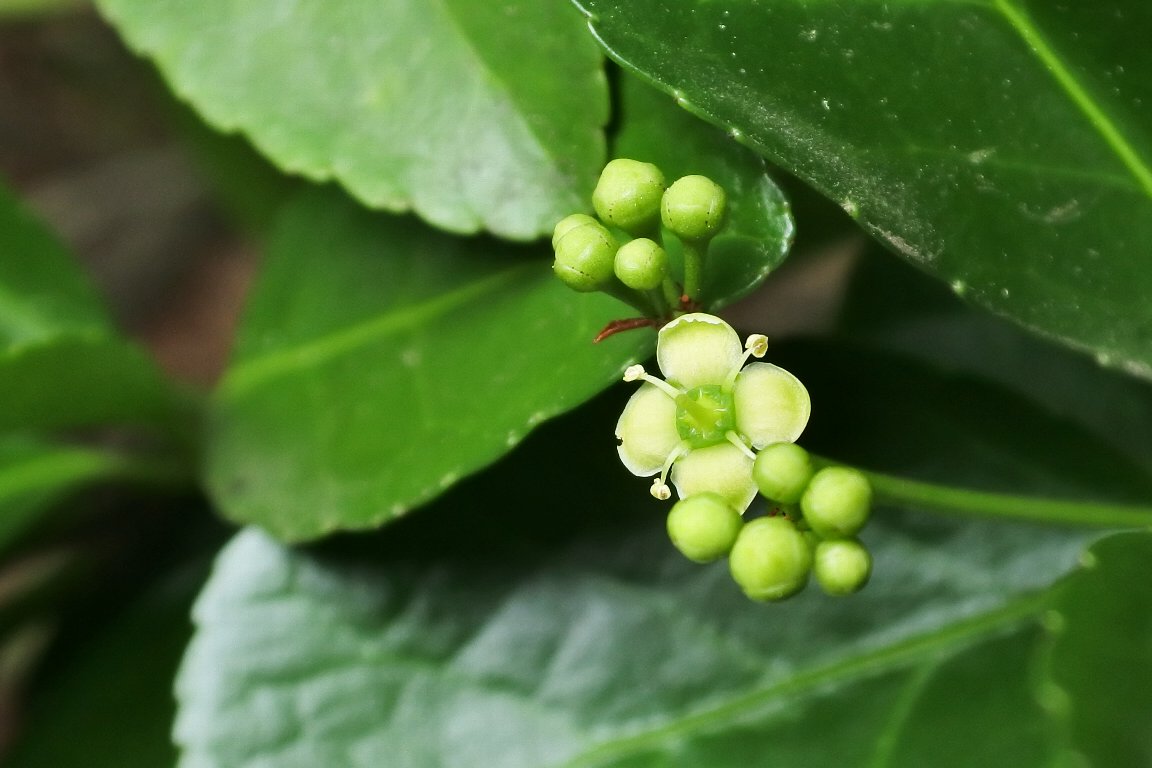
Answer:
x=707 y=418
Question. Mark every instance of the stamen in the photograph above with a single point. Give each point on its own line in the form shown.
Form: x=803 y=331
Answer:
x=660 y=485
x=637 y=373
x=633 y=372
x=756 y=346
x=737 y=441
x=660 y=490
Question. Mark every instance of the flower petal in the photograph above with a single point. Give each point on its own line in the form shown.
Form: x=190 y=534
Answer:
x=698 y=349
x=647 y=431
x=721 y=469
x=771 y=405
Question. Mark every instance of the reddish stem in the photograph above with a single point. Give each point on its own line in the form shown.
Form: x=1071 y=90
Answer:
x=629 y=324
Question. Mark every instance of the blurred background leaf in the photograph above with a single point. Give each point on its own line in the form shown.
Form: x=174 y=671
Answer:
x=62 y=363
x=1100 y=659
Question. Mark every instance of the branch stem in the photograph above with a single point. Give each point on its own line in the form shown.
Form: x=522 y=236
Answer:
x=982 y=504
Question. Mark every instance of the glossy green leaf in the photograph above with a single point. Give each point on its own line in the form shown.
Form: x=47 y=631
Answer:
x=380 y=361
x=537 y=616
x=760 y=227
x=62 y=364
x=1003 y=146
x=472 y=114
x=1098 y=667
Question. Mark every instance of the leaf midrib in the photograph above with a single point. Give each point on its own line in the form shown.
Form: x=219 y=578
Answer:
x=1078 y=94
x=894 y=656
x=255 y=372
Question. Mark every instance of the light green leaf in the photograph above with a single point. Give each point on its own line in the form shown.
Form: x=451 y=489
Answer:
x=760 y=228
x=472 y=114
x=1100 y=660
x=1003 y=146
x=62 y=364
x=538 y=616
x=380 y=361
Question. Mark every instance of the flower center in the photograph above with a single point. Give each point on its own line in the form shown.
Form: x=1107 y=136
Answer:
x=705 y=415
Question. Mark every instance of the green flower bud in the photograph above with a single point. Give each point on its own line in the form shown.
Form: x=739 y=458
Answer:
x=842 y=566
x=770 y=559
x=568 y=223
x=585 y=254
x=782 y=472
x=694 y=208
x=641 y=264
x=628 y=196
x=704 y=527
x=837 y=502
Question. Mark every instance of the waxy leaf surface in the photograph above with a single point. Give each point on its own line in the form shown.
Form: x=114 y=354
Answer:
x=1003 y=145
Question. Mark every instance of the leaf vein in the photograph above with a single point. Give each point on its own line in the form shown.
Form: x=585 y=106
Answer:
x=876 y=661
x=258 y=371
x=1078 y=94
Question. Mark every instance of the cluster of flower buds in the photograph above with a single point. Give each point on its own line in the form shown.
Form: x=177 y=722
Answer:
x=622 y=252
x=720 y=429
x=723 y=432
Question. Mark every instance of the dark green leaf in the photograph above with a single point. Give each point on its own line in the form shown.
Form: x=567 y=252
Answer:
x=894 y=307
x=537 y=616
x=760 y=227
x=73 y=380
x=34 y=474
x=1003 y=146
x=22 y=8
x=109 y=703
x=472 y=114
x=61 y=362
x=1100 y=661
